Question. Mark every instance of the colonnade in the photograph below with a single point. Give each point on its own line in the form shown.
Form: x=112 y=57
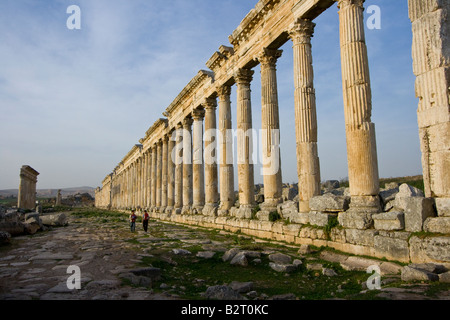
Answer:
x=175 y=168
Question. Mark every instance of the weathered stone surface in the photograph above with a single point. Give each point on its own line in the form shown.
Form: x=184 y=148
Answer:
x=229 y=255
x=181 y=252
x=241 y=287
x=329 y=272
x=444 y=277
x=391 y=248
x=206 y=254
x=442 y=206
x=239 y=260
x=429 y=267
x=54 y=220
x=333 y=256
x=288 y=268
x=355 y=220
x=388 y=195
x=430 y=249
x=329 y=203
x=437 y=225
x=389 y=221
x=280 y=258
x=360 y=237
x=404 y=194
x=305 y=249
x=417 y=210
x=410 y=273
x=331 y=184
x=320 y=219
x=222 y=292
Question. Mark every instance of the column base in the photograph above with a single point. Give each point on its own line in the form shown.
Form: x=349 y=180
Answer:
x=186 y=210
x=168 y=210
x=365 y=204
x=176 y=210
x=210 y=209
x=197 y=209
x=303 y=206
x=245 y=211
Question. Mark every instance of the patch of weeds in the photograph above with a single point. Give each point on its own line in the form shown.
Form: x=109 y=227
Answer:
x=255 y=210
x=436 y=288
x=332 y=223
x=274 y=216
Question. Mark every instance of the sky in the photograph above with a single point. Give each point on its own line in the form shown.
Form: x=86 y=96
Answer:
x=74 y=102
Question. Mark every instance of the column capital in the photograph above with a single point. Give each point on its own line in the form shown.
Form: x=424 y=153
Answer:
x=243 y=76
x=223 y=92
x=269 y=57
x=187 y=123
x=198 y=114
x=301 y=31
x=166 y=137
x=210 y=103
x=344 y=3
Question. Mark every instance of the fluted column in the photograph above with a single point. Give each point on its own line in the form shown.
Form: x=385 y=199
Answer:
x=154 y=176
x=178 y=156
x=211 y=187
x=226 y=170
x=308 y=168
x=165 y=142
x=158 y=173
x=171 y=172
x=243 y=77
x=270 y=130
x=198 y=179
x=149 y=178
x=360 y=131
x=187 y=165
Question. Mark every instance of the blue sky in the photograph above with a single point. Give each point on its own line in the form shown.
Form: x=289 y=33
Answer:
x=74 y=102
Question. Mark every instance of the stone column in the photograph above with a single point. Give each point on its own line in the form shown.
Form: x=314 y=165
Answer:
x=138 y=182
x=211 y=183
x=178 y=169
x=198 y=179
x=187 y=166
x=270 y=131
x=146 y=176
x=226 y=171
x=27 y=188
x=154 y=177
x=165 y=142
x=133 y=185
x=58 y=198
x=243 y=77
x=360 y=131
x=149 y=178
x=158 y=173
x=171 y=172
x=308 y=168
x=431 y=62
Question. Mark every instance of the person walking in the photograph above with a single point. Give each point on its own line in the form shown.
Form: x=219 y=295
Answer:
x=133 y=221
x=145 y=219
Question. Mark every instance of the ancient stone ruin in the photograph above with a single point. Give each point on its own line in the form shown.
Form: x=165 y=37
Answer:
x=174 y=169
x=27 y=188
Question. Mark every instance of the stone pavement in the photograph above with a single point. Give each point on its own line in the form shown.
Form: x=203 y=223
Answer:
x=36 y=267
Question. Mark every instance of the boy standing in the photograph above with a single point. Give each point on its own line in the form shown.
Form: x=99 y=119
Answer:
x=145 y=219
x=133 y=221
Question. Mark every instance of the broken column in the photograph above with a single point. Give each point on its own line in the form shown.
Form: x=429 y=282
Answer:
x=27 y=188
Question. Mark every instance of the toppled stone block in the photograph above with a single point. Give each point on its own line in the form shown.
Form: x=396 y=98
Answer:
x=442 y=207
x=331 y=184
x=230 y=254
x=437 y=225
x=355 y=220
x=411 y=273
x=406 y=192
x=289 y=192
x=241 y=287
x=288 y=268
x=151 y=272
x=417 y=210
x=239 y=260
x=222 y=292
x=280 y=258
x=444 y=277
x=54 y=220
x=181 y=252
x=329 y=203
x=389 y=221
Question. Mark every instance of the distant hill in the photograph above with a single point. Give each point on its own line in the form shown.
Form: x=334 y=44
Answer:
x=50 y=193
